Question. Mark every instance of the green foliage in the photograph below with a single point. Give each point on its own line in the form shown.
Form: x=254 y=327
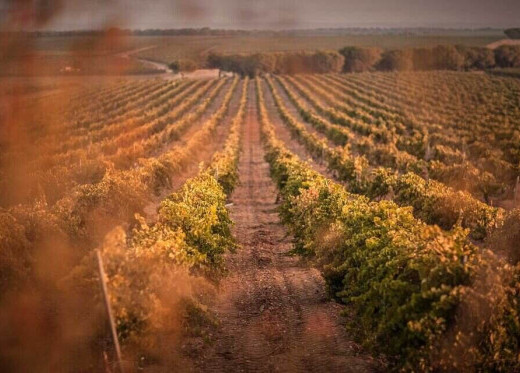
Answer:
x=116 y=198
x=360 y=59
x=189 y=238
x=183 y=65
x=279 y=63
x=432 y=201
x=479 y=58
x=400 y=60
x=508 y=56
x=440 y=57
x=199 y=211
x=405 y=281
x=224 y=165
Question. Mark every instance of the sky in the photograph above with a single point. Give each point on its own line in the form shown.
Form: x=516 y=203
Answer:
x=265 y=14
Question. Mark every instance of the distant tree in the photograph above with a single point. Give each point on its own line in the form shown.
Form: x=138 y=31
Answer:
x=477 y=57
x=325 y=62
x=267 y=62
x=214 y=61
x=396 y=60
x=182 y=65
x=447 y=57
x=188 y=65
x=282 y=63
x=174 y=66
x=360 y=59
x=513 y=33
x=249 y=65
x=507 y=56
x=423 y=59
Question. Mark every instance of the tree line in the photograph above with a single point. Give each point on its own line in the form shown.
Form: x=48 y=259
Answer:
x=278 y=62
x=362 y=59
x=441 y=57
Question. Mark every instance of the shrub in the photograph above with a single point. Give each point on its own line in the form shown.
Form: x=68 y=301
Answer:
x=396 y=60
x=508 y=56
x=360 y=59
x=477 y=57
x=447 y=57
x=281 y=63
x=183 y=65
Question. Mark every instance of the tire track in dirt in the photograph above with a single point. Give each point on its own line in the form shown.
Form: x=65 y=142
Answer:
x=273 y=309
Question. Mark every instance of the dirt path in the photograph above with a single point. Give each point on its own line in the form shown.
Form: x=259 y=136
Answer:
x=273 y=311
x=166 y=72
x=131 y=54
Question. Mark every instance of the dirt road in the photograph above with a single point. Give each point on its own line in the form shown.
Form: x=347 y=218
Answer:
x=273 y=310
x=167 y=73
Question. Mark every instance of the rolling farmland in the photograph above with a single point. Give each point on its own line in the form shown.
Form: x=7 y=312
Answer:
x=304 y=222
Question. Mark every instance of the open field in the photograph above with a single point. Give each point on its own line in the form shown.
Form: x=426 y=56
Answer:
x=338 y=222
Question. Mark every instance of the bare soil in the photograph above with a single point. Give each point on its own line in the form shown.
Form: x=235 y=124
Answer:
x=273 y=311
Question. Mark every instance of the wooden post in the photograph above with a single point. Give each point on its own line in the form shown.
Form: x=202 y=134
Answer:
x=113 y=331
